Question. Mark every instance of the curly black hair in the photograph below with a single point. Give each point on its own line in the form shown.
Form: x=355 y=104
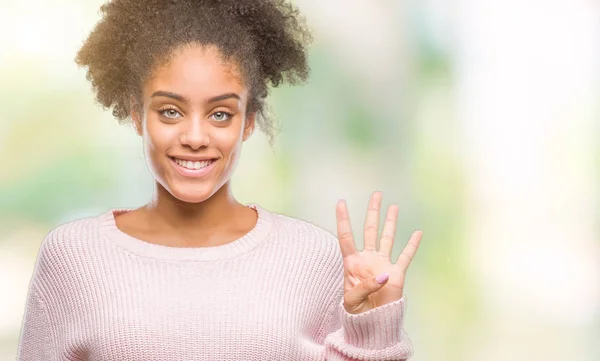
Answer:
x=267 y=39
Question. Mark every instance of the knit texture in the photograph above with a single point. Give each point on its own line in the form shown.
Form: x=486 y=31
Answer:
x=276 y=293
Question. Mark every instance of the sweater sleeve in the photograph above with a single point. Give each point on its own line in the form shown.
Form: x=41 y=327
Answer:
x=375 y=335
x=35 y=340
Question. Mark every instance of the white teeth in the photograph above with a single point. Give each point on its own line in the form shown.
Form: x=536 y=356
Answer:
x=192 y=165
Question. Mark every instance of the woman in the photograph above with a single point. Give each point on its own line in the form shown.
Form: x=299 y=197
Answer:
x=193 y=274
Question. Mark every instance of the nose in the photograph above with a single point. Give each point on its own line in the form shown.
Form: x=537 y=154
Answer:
x=196 y=134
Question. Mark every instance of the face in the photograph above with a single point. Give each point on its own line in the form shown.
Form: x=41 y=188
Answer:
x=194 y=108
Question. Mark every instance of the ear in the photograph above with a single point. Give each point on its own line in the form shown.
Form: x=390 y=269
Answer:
x=249 y=125
x=136 y=116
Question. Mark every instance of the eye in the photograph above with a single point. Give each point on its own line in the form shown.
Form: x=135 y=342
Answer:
x=221 y=116
x=170 y=113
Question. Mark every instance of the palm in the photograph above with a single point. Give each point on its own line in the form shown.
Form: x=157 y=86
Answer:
x=361 y=267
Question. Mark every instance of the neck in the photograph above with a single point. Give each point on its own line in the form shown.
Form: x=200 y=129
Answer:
x=168 y=213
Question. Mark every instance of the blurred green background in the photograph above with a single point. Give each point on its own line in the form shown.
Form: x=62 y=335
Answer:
x=478 y=118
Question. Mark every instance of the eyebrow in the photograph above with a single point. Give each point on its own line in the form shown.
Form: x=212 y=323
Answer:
x=181 y=98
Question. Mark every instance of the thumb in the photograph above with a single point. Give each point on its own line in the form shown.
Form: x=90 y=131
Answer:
x=366 y=287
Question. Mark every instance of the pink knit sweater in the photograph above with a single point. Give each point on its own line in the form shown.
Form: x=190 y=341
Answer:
x=275 y=294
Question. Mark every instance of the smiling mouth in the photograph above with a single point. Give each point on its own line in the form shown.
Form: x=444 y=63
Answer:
x=193 y=165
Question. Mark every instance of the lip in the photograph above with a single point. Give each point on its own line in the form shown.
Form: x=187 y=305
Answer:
x=192 y=158
x=192 y=173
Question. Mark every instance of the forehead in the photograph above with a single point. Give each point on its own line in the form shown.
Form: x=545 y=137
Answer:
x=197 y=72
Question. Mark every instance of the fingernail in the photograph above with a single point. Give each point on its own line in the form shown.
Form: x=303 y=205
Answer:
x=382 y=277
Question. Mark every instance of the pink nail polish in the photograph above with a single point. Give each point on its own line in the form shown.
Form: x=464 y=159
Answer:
x=382 y=277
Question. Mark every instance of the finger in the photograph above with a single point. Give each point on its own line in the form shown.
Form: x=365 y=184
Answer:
x=344 y=231
x=389 y=231
x=361 y=292
x=409 y=250
x=372 y=222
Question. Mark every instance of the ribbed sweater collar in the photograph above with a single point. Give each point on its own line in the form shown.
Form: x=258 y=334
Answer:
x=246 y=243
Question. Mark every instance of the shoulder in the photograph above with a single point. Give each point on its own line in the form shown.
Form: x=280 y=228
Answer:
x=68 y=238
x=306 y=235
x=309 y=231
x=63 y=251
x=316 y=249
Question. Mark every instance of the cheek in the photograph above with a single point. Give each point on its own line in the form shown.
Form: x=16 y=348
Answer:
x=158 y=132
x=228 y=141
x=157 y=138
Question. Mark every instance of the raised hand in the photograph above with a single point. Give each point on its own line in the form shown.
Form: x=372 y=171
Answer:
x=370 y=278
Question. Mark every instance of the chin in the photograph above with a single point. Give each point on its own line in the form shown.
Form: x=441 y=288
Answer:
x=192 y=199
x=190 y=194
